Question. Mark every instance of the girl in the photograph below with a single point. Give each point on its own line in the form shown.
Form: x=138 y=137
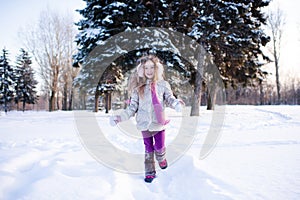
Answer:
x=149 y=93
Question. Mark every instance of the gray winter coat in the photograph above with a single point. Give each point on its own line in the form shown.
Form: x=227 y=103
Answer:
x=145 y=115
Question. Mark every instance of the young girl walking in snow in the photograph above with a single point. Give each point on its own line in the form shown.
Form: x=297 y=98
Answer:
x=149 y=93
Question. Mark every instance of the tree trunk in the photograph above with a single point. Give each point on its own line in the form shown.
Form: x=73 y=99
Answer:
x=17 y=105
x=57 y=102
x=71 y=100
x=211 y=99
x=5 y=99
x=96 y=101
x=24 y=104
x=52 y=101
x=97 y=95
x=277 y=72
x=107 y=102
x=65 y=96
x=54 y=83
x=298 y=97
x=261 y=93
x=278 y=84
x=82 y=99
x=196 y=97
x=276 y=22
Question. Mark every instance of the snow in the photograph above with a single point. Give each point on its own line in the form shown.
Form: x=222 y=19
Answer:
x=107 y=20
x=257 y=157
x=94 y=32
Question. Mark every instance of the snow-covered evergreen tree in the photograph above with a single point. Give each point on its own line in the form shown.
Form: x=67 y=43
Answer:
x=229 y=30
x=232 y=32
x=104 y=19
x=25 y=81
x=6 y=80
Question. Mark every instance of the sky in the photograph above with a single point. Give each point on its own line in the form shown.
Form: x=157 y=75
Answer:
x=15 y=14
x=290 y=50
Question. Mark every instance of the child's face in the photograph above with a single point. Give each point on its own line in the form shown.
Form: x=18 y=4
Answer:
x=149 y=69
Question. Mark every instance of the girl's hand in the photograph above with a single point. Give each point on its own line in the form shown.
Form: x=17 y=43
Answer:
x=114 y=120
x=181 y=102
x=178 y=106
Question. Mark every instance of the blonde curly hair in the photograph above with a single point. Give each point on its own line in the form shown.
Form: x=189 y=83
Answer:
x=138 y=78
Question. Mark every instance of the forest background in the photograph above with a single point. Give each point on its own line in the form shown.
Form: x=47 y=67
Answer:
x=51 y=82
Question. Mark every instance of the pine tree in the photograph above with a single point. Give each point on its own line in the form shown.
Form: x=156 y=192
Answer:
x=104 y=19
x=6 y=80
x=230 y=31
x=25 y=81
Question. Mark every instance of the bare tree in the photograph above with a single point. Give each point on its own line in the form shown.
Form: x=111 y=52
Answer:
x=276 y=22
x=51 y=44
x=68 y=72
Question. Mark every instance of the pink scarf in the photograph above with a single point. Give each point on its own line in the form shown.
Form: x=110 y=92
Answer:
x=158 y=109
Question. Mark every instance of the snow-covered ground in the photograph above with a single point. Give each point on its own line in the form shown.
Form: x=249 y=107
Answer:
x=256 y=157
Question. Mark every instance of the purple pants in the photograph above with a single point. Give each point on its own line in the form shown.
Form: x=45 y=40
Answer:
x=154 y=141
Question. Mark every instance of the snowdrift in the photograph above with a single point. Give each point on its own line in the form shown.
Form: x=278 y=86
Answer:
x=256 y=157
